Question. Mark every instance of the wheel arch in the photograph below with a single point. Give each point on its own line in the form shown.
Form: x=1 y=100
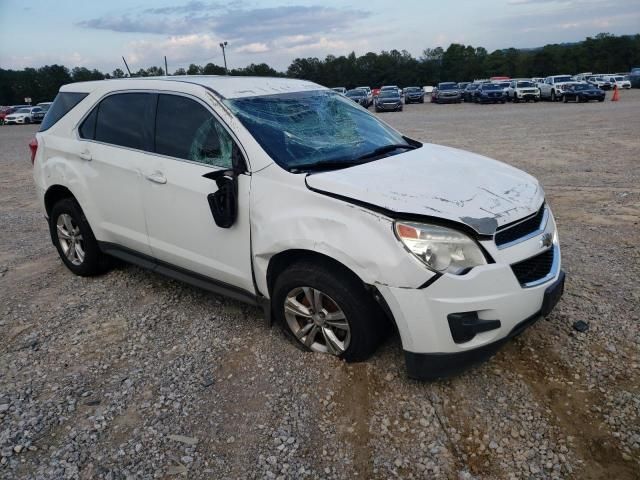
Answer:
x=54 y=194
x=281 y=261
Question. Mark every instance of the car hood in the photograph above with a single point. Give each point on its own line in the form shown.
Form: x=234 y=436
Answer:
x=437 y=181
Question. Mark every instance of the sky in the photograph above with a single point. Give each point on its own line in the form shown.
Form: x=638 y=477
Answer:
x=96 y=34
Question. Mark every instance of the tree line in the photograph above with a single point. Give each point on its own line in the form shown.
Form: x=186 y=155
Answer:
x=604 y=53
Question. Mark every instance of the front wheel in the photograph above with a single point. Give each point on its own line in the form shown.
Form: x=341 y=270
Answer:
x=327 y=310
x=553 y=96
x=74 y=239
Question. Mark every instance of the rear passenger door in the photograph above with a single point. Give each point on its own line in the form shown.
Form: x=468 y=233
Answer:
x=117 y=139
x=191 y=143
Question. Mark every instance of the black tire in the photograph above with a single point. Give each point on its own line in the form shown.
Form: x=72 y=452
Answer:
x=95 y=262
x=27 y=121
x=365 y=319
x=601 y=99
x=565 y=99
x=516 y=99
x=553 y=96
x=422 y=100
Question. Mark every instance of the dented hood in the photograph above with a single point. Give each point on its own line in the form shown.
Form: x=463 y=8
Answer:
x=439 y=182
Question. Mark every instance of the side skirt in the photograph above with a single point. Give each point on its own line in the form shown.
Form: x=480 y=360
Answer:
x=181 y=274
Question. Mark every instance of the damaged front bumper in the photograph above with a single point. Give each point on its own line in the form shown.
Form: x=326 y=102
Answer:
x=458 y=320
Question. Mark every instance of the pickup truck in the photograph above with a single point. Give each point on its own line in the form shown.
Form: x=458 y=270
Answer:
x=551 y=88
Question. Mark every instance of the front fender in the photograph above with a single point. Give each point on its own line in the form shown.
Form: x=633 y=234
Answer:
x=286 y=215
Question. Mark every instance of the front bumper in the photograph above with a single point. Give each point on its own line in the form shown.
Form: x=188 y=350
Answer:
x=9 y=121
x=448 y=99
x=432 y=366
x=490 y=293
x=388 y=106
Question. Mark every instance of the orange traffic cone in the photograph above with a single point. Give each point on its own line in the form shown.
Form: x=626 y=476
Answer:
x=616 y=95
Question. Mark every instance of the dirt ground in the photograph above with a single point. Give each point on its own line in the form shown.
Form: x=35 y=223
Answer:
x=132 y=375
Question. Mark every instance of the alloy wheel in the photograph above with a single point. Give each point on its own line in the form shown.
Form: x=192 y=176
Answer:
x=70 y=239
x=317 y=320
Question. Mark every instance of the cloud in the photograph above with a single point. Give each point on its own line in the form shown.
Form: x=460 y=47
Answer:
x=180 y=49
x=231 y=21
x=256 y=47
x=195 y=29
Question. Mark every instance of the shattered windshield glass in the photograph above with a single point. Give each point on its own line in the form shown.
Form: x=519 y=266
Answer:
x=303 y=128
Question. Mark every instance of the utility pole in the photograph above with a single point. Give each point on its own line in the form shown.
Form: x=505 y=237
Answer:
x=127 y=66
x=166 y=69
x=222 y=46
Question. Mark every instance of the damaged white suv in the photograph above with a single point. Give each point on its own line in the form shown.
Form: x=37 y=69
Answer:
x=287 y=195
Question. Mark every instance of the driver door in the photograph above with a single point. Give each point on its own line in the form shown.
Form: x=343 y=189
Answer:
x=192 y=146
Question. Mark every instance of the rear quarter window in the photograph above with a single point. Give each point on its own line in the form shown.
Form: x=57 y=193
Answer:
x=63 y=104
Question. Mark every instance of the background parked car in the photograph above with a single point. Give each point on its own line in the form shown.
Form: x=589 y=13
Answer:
x=489 y=93
x=413 y=95
x=462 y=86
x=358 y=95
x=551 y=88
x=599 y=82
x=634 y=77
x=25 y=115
x=467 y=94
x=524 y=90
x=582 y=92
x=369 y=95
x=388 y=100
x=618 y=80
x=5 y=111
x=446 y=92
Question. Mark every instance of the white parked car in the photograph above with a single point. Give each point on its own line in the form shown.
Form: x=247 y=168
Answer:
x=252 y=189
x=25 y=115
x=618 y=80
x=523 y=90
x=552 y=87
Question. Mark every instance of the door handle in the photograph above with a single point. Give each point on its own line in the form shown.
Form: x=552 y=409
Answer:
x=85 y=155
x=157 y=177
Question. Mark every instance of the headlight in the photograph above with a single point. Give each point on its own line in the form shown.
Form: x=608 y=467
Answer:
x=439 y=248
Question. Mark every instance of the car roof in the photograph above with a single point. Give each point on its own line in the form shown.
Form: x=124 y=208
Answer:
x=223 y=86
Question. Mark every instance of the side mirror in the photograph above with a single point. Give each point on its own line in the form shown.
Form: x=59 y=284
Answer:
x=224 y=202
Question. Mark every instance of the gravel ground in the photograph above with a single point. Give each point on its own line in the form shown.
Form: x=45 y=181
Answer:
x=132 y=375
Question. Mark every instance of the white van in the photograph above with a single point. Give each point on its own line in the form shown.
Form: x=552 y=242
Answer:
x=287 y=195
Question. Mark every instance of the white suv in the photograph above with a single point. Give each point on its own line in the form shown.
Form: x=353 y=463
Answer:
x=287 y=195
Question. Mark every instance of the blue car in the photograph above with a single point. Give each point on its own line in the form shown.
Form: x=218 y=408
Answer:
x=582 y=92
x=489 y=93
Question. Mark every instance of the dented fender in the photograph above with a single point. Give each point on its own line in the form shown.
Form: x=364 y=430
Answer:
x=360 y=239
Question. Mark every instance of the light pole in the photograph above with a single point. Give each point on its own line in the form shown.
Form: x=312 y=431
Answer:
x=222 y=46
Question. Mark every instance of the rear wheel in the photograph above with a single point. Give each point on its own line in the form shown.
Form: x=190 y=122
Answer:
x=74 y=239
x=327 y=310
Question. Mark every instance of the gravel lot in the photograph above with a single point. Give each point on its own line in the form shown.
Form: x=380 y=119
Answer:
x=132 y=375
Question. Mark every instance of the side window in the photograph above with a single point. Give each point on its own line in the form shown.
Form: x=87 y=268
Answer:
x=88 y=128
x=125 y=119
x=63 y=104
x=185 y=129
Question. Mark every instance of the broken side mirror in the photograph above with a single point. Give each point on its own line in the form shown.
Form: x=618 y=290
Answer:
x=224 y=202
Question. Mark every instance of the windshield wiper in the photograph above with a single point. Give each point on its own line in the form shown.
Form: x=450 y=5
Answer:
x=331 y=164
x=386 y=149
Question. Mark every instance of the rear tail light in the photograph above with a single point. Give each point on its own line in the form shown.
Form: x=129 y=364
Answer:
x=33 y=146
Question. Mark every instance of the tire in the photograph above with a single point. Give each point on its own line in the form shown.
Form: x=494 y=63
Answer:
x=339 y=293
x=553 y=96
x=535 y=100
x=601 y=99
x=87 y=260
x=27 y=121
x=422 y=100
x=565 y=99
x=516 y=99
